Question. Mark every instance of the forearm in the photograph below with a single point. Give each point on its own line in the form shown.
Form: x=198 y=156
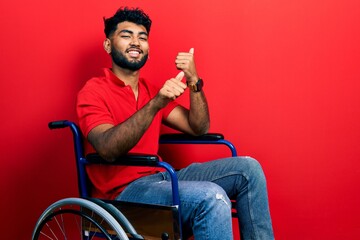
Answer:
x=120 y=139
x=199 y=119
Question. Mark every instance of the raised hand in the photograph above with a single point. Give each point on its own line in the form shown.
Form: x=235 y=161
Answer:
x=172 y=89
x=185 y=62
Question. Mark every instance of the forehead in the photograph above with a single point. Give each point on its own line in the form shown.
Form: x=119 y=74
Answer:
x=133 y=27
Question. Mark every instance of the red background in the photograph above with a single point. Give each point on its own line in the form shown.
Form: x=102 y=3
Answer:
x=281 y=77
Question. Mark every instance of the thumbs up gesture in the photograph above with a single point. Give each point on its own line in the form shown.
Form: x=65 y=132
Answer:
x=185 y=62
x=172 y=89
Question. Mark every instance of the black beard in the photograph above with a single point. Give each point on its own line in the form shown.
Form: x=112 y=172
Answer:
x=120 y=60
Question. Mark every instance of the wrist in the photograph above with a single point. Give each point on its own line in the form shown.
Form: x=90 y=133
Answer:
x=157 y=103
x=196 y=86
x=193 y=79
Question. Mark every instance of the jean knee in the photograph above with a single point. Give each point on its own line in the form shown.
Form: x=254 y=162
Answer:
x=215 y=196
x=255 y=169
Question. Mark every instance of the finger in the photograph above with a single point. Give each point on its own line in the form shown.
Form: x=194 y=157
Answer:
x=191 y=50
x=176 y=84
x=167 y=94
x=172 y=90
x=180 y=76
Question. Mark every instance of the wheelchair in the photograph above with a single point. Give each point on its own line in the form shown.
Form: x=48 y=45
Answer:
x=91 y=218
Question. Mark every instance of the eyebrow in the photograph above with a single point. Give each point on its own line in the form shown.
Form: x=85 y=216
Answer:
x=131 y=32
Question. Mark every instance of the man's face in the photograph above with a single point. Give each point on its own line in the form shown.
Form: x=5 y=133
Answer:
x=129 y=46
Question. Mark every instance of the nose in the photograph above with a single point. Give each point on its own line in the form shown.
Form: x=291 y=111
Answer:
x=135 y=41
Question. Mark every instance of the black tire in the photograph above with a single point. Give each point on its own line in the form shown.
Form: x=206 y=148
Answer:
x=77 y=218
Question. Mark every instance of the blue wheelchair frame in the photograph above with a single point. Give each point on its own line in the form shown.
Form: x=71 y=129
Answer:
x=136 y=159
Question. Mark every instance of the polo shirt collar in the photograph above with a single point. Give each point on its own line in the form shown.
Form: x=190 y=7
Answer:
x=109 y=75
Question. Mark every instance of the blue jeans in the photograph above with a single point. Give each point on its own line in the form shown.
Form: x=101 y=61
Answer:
x=205 y=189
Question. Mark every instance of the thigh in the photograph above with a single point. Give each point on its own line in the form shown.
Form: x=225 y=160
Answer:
x=153 y=189
x=157 y=189
x=231 y=174
x=213 y=170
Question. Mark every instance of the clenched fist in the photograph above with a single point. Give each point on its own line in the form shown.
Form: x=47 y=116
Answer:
x=172 y=89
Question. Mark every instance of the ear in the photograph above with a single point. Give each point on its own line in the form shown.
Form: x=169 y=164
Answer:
x=107 y=45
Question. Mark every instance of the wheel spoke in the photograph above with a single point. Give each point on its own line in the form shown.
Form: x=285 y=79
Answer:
x=73 y=218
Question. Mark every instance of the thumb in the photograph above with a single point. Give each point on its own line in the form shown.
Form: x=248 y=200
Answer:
x=191 y=50
x=180 y=76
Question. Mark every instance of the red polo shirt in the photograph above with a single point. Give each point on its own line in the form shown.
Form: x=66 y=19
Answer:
x=107 y=99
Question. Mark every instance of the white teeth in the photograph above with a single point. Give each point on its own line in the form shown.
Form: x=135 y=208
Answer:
x=134 y=53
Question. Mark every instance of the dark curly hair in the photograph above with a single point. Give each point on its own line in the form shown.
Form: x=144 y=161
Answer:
x=134 y=15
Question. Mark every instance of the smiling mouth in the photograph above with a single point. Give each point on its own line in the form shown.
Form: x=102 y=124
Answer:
x=134 y=52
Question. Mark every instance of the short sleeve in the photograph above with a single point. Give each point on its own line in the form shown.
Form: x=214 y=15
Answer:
x=92 y=111
x=167 y=110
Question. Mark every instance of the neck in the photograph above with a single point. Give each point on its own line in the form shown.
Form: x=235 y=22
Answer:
x=129 y=77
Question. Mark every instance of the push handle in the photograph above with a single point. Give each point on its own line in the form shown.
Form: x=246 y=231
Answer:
x=58 y=124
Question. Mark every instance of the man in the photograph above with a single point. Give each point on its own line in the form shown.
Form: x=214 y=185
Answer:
x=121 y=112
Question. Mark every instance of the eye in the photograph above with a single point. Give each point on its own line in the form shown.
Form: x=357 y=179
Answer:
x=125 y=36
x=143 y=38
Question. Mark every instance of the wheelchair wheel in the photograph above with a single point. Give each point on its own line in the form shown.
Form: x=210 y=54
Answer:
x=76 y=218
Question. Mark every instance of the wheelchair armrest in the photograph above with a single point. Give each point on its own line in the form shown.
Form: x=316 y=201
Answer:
x=133 y=159
x=169 y=137
x=209 y=138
